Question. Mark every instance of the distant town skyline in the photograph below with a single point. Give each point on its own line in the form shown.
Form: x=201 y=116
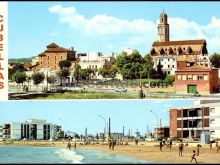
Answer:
x=77 y=115
x=107 y=26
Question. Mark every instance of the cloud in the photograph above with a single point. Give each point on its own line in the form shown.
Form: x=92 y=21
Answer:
x=139 y=32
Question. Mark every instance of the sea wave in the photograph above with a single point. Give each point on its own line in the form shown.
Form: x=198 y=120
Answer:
x=69 y=155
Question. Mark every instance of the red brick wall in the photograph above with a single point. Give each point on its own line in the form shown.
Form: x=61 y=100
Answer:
x=203 y=86
x=213 y=79
x=173 y=122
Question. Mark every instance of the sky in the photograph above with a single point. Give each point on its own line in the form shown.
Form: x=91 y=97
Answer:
x=107 y=26
x=76 y=115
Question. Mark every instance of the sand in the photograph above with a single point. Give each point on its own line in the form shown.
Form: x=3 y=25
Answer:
x=146 y=151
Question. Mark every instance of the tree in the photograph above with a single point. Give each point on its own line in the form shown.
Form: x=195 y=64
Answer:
x=63 y=74
x=215 y=60
x=65 y=64
x=113 y=71
x=160 y=73
x=19 y=77
x=86 y=73
x=51 y=80
x=147 y=67
x=37 y=78
x=130 y=66
x=16 y=67
x=104 y=72
x=77 y=72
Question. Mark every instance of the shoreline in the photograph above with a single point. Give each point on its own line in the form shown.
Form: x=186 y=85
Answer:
x=148 y=151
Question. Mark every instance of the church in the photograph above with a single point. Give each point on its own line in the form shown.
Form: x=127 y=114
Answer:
x=185 y=52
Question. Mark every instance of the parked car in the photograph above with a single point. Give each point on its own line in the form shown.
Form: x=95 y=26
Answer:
x=121 y=89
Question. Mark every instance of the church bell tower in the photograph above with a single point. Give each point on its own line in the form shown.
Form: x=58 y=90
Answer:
x=163 y=28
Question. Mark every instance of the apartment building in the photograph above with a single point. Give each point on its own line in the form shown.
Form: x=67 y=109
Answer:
x=192 y=121
x=33 y=129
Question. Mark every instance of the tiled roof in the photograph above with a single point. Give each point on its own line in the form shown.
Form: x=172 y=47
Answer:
x=181 y=42
x=195 y=68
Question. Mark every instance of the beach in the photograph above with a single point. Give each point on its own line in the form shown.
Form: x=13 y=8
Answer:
x=148 y=151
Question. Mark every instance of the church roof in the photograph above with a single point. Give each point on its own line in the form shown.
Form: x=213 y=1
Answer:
x=180 y=42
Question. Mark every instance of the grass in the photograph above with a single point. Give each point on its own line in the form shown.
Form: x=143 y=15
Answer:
x=88 y=95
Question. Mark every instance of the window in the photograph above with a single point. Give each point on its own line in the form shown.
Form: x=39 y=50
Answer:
x=173 y=66
x=48 y=57
x=41 y=62
x=179 y=77
x=168 y=59
x=61 y=57
x=168 y=72
x=212 y=110
x=183 y=48
x=183 y=77
x=194 y=77
x=212 y=121
x=174 y=49
x=48 y=62
x=200 y=77
x=166 y=49
x=168 y=66
x=212 y=132
x=55 y=57
x=189 y=77
x=205 y=77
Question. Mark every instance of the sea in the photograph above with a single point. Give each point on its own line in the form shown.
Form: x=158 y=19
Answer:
x=29 y=154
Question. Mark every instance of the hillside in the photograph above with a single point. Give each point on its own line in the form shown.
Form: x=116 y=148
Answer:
x=20 y=60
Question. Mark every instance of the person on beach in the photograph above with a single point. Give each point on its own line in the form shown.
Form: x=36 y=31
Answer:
x=161 y=145
x=210 y=145
x=170 y=143
x=198 y=146
x=218 y=148
x=181 y=148
x=193 y=157
x=69 y=145
x=113 y=144
x=110 y=144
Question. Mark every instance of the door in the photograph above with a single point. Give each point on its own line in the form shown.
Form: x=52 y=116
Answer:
x=192 y=89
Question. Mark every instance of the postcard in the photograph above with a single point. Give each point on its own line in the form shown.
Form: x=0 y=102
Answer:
x=109 y=82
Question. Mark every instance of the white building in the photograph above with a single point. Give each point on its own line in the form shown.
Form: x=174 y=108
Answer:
x=32 y=129
x=191 y=121
x=168 y=62
x=95 y=60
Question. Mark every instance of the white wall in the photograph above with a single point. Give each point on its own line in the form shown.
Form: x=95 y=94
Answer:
x=15 y=130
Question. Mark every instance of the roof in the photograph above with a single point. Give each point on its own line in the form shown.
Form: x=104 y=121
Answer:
x=180 y=42
x=52 y=45
x=195 y=68
x=197 y=106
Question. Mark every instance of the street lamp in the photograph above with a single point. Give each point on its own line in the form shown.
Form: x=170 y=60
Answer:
x=63 y=128
x=157 y=120
x=105 y=125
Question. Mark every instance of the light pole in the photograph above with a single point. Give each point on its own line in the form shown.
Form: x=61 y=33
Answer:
x=63 y=128
x=105 y=125
x=157 y=121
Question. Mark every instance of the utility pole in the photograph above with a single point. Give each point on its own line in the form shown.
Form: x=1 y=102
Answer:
x=109 y=128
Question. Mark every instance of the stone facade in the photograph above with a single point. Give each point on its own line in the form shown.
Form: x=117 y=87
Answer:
x=51 y=57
